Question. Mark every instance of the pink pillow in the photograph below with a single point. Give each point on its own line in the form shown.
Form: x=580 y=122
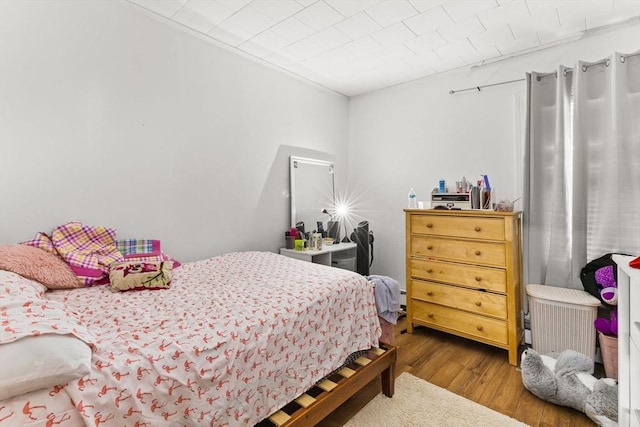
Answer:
x=39 y=265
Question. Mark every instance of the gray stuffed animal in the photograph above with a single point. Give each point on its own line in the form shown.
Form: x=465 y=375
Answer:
x=567 y=381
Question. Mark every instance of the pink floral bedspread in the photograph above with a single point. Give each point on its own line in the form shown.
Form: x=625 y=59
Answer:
x=235 y=338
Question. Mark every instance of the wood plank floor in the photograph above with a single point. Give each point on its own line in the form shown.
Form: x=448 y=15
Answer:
x=473 y=370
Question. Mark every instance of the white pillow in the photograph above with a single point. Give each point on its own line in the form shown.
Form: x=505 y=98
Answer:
x=42 y=361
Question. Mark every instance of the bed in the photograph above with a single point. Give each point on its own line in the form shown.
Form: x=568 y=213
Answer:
x=233 y=341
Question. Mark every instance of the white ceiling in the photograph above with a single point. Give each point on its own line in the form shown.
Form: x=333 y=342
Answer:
x=358 y=46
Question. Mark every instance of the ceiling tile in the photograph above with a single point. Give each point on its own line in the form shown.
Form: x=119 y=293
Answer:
x=277 y=9
x=519 y=44
x=544 y=22
x=627 y=7
x=460 y=9
x=306 y=3
x=270 y=40
x=363 y=46
x=388 y=13
x=301 y=50
x=358 y=25
x=423 y=60
x=394 y=53
x=491 y=37
x=319 y=16
x=328 y=59
x=211 y=11
x=497 y=16
x=541 y=6
x=428 y=21
x=425 y=43
x=461 y=29
x=455 y=50
x=162 y=7
x=329 y=38
x=191 y=19
x=247 y=21
x=366 y=62
x=393 y=35
x=349 y=8
x=476 y=57
x=424 y=5
x=234 y=5
x=292 y=30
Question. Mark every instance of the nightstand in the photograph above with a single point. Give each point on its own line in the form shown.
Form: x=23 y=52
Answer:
x=341 y=255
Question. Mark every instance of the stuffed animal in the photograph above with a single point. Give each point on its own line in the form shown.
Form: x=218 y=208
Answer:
x=567 y=381
x=608 y=288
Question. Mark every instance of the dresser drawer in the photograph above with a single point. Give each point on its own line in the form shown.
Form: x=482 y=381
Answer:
x=479 y=302
x=490 y=279
x=471 y=252
x=461 y=322
x=458 y=226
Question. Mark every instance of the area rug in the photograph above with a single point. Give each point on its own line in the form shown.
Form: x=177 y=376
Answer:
x=419 y=403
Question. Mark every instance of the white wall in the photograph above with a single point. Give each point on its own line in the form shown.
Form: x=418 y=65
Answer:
x=110 y=117
x=415 y=134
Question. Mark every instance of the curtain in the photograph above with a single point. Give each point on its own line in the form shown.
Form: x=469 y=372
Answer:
x=582 y=167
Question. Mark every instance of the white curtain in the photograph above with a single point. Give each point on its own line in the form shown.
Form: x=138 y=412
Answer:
x=582 y=167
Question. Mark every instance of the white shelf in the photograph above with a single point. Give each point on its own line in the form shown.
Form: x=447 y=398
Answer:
x=326 y=256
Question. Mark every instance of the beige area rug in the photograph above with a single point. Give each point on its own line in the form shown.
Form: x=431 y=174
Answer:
x=419 y=403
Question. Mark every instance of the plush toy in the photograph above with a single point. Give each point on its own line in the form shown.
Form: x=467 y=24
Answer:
x=567 y=381
x=608 y=288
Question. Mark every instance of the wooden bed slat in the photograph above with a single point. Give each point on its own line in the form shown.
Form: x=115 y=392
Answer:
x=327 y=385
x=377 y=351
x=362 y=361
x=305 y=400
x=346 y=372
x=279 y=418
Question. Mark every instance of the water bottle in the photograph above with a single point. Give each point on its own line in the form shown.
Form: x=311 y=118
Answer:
x=413 y=200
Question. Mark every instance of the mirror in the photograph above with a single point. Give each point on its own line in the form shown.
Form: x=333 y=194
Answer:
x=312 y=190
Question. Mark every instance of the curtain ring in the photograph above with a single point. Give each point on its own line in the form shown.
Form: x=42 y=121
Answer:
x=564 y=72
x=622 y=59
x=584 y=68
x=607 y=62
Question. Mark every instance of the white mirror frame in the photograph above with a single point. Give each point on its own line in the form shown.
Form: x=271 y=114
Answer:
x=294 y=163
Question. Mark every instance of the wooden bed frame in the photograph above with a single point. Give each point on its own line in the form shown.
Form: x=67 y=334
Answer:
x=322 y=399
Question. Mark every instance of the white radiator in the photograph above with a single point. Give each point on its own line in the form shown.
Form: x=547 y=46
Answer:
x=562 y=319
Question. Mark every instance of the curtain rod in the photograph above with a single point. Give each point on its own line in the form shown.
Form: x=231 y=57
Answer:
x=478 y=88
x=567 y=70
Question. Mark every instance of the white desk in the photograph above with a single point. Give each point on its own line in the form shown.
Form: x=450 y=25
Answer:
x=628 y=342
x=329 y=255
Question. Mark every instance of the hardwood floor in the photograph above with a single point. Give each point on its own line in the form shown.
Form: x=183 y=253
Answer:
x=473 y=370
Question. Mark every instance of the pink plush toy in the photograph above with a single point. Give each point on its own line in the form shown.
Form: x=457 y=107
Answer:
x=606 y=280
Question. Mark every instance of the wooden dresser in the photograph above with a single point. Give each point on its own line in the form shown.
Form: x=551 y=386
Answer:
x=464 y=274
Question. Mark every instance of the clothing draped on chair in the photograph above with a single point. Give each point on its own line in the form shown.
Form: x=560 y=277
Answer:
x=581 y=167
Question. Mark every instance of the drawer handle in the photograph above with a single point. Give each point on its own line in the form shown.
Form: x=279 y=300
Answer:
x=478 y=279
x=478 y=228
x=430 y=315
x=479 y=328
x=477 y=253
x=430 y=270
x=429 y=247
x=478 y=303
x=429 y=225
